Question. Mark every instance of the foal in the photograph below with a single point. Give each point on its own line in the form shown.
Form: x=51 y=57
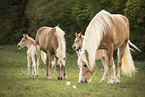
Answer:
x=101 y=54
x=33 y=53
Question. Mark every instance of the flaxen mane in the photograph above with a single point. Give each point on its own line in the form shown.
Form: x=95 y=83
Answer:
x=94 y=34
x=61 y=50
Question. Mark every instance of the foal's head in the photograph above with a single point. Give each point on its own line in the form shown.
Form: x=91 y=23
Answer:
x=78 y=41
x=24 y=41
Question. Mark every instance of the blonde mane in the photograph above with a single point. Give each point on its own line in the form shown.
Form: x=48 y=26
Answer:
x=61 y=50
x=93 y=36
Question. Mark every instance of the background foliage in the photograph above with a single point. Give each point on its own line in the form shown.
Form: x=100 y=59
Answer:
x=27 y=16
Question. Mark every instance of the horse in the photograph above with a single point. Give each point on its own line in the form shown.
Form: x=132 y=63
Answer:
x=52 y=42
x=106 y=31
x=33 y=53
x=101 y=54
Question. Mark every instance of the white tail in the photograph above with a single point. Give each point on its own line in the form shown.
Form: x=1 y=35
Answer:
x=128 y=67
x=43 y=56
x=134 y=46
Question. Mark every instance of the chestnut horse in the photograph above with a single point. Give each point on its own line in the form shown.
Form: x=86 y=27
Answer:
x=52 y=41
x=101 y=54
x=106 y=31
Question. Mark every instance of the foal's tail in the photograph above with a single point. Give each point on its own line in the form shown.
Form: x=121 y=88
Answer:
x=43 y=56
x=128 y=67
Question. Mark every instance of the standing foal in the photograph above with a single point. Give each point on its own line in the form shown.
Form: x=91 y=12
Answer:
x=33 y=53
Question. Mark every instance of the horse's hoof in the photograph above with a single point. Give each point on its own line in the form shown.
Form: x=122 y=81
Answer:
x=59 y=78
x=37 y=76
x=79 y=82
x=49 y=77
x=110 y=82
x=101 y=80
x=117 y=81
x=65 y=77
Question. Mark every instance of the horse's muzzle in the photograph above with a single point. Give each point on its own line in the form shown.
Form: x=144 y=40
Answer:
x=59 y=78
x=82 y=82
x=18 y=46
x=74 y=47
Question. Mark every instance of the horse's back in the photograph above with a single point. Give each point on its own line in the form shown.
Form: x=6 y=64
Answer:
x=41 y=36
x=121 y=29
x=42 y=32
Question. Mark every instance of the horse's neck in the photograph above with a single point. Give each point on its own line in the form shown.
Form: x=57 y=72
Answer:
x=30 y=43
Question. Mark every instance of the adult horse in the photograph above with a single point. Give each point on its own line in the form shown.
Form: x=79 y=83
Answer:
x=52 y=41
x=101 y=54
x=106 y=31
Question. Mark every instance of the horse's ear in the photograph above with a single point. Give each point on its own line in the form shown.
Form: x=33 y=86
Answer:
x=25 y=36
x=76 y=34
x=80 y=35
x=54 y=29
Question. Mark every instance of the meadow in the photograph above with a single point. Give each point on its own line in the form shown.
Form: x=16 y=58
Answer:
x=14 y=81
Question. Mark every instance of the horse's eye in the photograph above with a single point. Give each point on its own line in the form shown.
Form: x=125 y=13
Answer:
x=78 y=40
x=23 y=40
x=85 y=65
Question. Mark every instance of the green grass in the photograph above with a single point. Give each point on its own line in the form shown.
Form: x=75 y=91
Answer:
x=14 y=81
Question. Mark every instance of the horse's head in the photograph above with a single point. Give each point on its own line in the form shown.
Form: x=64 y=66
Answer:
x=23 y=41
x=60 y=66
x=78 y=41
x=86 y=72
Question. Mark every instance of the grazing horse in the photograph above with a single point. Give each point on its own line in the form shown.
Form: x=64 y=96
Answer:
x=106 y=31
x=101 y=54
x=33 y=53
x=52 y=42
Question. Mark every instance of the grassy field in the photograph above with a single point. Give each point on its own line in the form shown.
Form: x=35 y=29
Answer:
x=14 y=81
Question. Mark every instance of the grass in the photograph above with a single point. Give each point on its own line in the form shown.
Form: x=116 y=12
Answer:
x=14 y=81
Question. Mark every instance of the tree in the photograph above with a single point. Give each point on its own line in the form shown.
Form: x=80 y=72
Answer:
x=135 y=11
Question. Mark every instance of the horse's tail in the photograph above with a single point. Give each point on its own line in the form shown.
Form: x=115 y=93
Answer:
x=128 y=67
x=134 y=46
x=43 y=56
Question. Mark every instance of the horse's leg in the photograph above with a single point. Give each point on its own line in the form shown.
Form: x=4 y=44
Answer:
x=59 y=70
x=38 y=58
x=104 y=62
x=34 y=67
x=46 y=73
x=110 y=63
x=64 y=73
x=120 y=56
x=114 y=71
x=49 y=65
x=29 y=61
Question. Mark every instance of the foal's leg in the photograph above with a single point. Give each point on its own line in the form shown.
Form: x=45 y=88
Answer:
x=104 y=62
x=49 y=64
x=29 y=61
x=34 y=67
